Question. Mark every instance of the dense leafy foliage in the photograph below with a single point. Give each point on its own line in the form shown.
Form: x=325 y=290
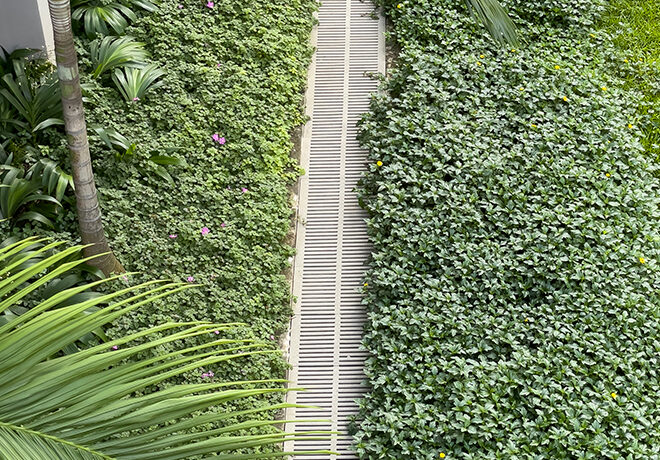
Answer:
x=635 y=27
x=233 y=70
x=513 y=292
x=133 y=83
x=98 y=16
x=237 y=70
x=32 y=105
x=111 y=52
x=99 y=403
x=35 y=195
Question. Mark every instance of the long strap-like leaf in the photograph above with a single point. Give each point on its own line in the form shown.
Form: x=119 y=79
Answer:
x=18 y=442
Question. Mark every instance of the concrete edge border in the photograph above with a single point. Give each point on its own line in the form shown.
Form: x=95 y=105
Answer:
x=292 y=341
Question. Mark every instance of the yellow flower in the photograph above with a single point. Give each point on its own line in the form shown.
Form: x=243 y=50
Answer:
x=366 y=284
x=379 y=163
x=607 y=174
x=442 y=455
x=400 y=5
x=630 y=126
x=604 y=88
x=478 y=63
x=513 y=50
x=522 y=89
x=592 y=35
x=557 y=67
x=482 y=56
x=642 y=260
x=533 y=125
x=613 y=395
x=526 y=320
x=565 y=99
x=625 y=60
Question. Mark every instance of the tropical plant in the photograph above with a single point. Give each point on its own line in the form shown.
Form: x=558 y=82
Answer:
x=116 y=141
x=9 y=124
x=39 y=250
x=35 y=195
x=161 y=161
x=21 y=199
x=87 y=205
x=125 y=149
x=7 y=59
x=110 y=52
x=98 y=15
x=7 y=119
x=37 y=104
x=496 y=20
x=99 y=402
x=133 y=83
x=54 y=181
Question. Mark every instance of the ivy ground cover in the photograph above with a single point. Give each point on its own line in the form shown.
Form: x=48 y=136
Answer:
x=235 y=74
x=513 y=208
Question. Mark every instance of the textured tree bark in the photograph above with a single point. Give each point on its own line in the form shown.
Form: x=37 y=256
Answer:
x=87 y=205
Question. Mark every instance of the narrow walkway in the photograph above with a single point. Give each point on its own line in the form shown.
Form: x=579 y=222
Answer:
x=332 y=241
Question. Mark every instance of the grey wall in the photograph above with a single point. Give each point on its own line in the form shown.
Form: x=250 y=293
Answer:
x=25 y=24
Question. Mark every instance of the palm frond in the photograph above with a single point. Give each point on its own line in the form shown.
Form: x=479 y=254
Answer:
x=54 y=181
x=111 y=52
x=19 y=442
x=7 y=59
x=39 y=105
x=90 y=404
x=37 y=196
x=496 y=20
x=97 y=15
x=133 y=83
x=116 y=141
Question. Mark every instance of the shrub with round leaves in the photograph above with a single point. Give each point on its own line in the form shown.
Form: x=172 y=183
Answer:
x=513 y=291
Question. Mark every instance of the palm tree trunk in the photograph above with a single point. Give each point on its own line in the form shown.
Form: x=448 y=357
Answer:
x=87 y=205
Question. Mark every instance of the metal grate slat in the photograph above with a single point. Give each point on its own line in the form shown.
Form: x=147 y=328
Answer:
x=331 y=233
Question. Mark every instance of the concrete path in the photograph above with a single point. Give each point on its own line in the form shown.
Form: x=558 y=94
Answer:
x=331 y=234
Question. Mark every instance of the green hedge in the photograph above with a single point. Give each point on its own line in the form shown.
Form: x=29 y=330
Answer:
x=513 y=290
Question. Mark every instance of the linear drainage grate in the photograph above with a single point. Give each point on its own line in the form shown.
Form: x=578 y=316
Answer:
x=331 y=233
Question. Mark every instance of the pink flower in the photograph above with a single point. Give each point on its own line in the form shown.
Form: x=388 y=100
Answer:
x=243 y=189
x=180 y=6
x=210 y=4
x=136 y=99
x=205 y=231
x=272 y=337
x=191 y=279
x=219 y=65
x=216 y=332
x=115 y=347
x=204 y=375
x=125 y=278
x=173 y=235
x=223 y=225
x=211 y=374
x=220 y=140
